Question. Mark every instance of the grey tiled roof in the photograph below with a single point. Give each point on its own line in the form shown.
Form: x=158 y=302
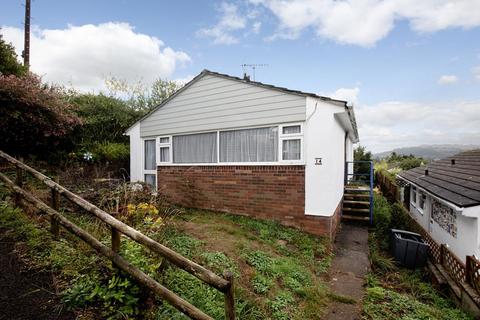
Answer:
x=455 y=179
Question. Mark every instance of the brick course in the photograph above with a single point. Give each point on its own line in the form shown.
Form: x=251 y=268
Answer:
x=265 y=192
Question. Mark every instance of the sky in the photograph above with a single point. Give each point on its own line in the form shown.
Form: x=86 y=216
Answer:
x=410 y=68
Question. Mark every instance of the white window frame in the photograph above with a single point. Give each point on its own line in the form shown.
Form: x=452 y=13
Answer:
x=419 y=208
x=145 y=171
x=279 y=161
x=290 y=136
x=164 y=145
x=414 y=190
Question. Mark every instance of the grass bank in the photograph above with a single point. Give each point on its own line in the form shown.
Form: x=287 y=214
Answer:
x=278 y=271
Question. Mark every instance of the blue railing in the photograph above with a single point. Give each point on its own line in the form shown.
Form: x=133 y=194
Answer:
x=368 y=181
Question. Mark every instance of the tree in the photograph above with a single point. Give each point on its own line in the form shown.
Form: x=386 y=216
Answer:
x=140 y=97
x=35 y=117
x=105 y=119
x=360 y=154
x=9 y=64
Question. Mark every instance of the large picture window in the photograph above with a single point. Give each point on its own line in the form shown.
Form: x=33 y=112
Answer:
x=249 y=145
x=195 y=148
x=279 y=143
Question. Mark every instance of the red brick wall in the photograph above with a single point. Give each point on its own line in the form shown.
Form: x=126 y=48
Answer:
x=266 y=192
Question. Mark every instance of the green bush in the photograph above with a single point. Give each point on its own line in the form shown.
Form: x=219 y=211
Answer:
x=399 y=217
x=111 y=151
x=105 y=119
x=382 y=215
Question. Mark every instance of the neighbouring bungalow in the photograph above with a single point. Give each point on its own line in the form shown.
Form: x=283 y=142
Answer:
x=444 y=197
x=234 y=145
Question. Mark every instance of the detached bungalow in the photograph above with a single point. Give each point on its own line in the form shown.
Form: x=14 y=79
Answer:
x=444 y=197
x=230 y=144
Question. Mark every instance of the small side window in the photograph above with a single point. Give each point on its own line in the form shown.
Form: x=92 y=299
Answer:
x=422 y=197
x=414 y=195
x=291 y=129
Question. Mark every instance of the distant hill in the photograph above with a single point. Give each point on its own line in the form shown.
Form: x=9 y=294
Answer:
x=431 y=152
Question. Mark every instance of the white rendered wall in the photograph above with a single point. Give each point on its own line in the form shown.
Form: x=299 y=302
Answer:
x=467 y=240
x=136 y=149
x=324 y=138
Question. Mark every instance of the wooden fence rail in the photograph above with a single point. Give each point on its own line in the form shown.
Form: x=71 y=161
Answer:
x=224 y=285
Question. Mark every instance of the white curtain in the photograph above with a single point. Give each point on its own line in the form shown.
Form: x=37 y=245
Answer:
x=164 y=154
x=291 y=149
x=150 y=155
x=249 y=145
x=195 y=148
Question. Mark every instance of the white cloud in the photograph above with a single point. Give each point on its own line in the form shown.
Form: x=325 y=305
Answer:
x=365 y=22
x=83 y=56
x=230 y=21
x=347 y=94
x=392 y=124
x=447 y=79
x=476 y=72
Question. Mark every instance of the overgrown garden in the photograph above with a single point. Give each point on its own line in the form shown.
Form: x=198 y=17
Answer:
x=394 y=292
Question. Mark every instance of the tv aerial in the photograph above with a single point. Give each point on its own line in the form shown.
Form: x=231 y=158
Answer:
x=253 y=67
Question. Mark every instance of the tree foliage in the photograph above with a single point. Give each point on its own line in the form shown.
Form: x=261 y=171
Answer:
x=105 y=119
x=361 y=154
x=35 y=116
x=141 y=97
x=9 y=64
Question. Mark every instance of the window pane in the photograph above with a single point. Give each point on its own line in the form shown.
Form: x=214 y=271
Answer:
x=150 y=155
x=421 y=199
x=291 y=149
x=164 y=154
x=195 y=148
x=164 y=140
x=291 y=129
x=414 y=195
x=150 y=180
x=249 y=145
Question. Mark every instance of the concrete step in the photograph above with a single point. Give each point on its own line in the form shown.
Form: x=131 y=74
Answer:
x=357 y=189
x=356 y=210
x=357 y=195
x=355 y=218
x=367 y=203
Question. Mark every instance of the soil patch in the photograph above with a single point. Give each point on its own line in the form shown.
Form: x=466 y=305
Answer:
x=26 y=294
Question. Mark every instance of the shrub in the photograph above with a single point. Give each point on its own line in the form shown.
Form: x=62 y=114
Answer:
x=399 y=217
x=111 y=151
x=105 y=119
x=35 y=117
x=382 y=215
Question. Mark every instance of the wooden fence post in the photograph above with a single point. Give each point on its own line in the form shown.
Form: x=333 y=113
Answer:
x=55 y=203
x=18 y=182
x=54 y=226
x=115 y=240
x=469 y=270
x=229 y=296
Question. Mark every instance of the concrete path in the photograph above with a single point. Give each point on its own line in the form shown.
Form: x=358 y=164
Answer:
x=348 y=270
